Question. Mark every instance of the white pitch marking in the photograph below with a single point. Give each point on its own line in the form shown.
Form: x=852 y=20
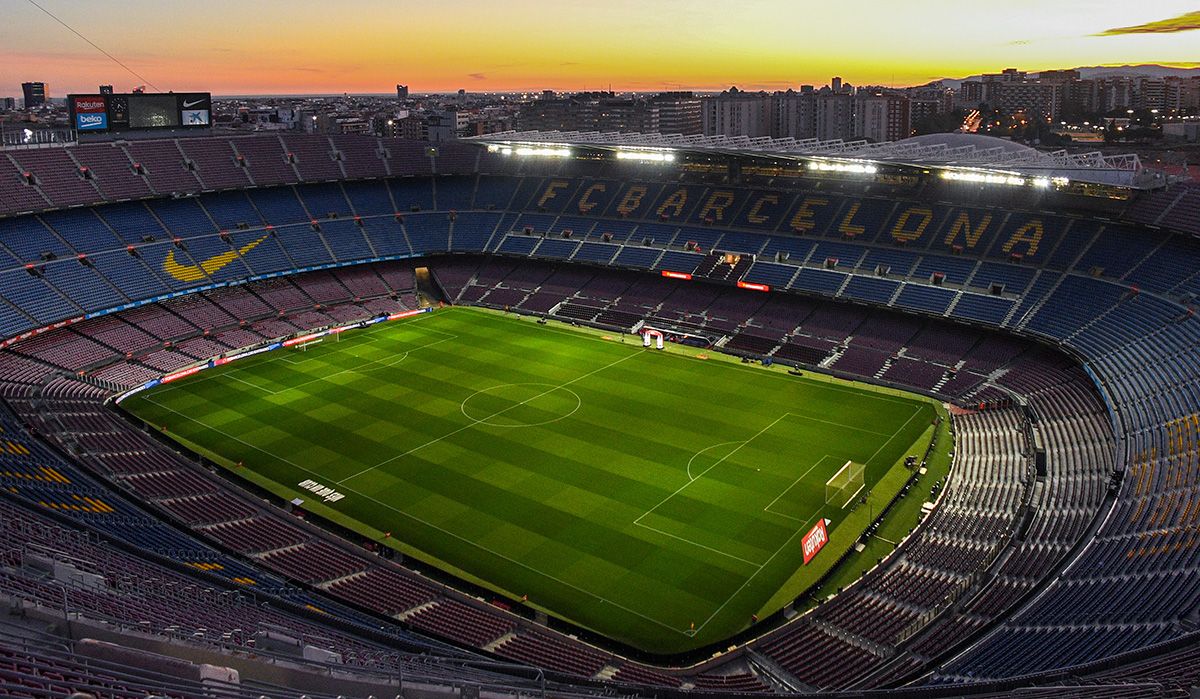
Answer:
x=474 y=422
x=793 y=485
x=462 y=407
x=717 y=463
x=702 y=451
x=694 y=543
x=794 y=534
x=470 y=541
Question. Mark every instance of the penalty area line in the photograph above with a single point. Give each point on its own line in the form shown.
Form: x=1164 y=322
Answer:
x=791 y=538
x=756 y=564
x=715 y=464
x=793 y=485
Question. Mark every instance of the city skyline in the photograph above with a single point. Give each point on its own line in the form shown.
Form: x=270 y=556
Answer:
x=269 y=47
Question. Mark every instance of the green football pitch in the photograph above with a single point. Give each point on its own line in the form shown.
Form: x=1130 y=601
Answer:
x=657 y=498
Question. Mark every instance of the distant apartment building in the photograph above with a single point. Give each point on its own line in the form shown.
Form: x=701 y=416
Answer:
x=1181 y=94
x=401 y=92
x=830 y=113
x=1114 y=93
x=737 y=113
x=1150 y=93
x=882 y=117
x=834 y=115
x=1033 y=98
x=339 y=124
x=794 y=114
x=413 y=127
x=678 y=113
x=971 y=94
x=602 y=111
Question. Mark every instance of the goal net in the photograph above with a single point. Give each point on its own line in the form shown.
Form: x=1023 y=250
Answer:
x=844 y=486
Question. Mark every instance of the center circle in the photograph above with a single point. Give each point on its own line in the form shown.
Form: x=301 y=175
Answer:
x=521 y=404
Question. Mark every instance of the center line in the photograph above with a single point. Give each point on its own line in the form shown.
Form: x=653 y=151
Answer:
x=475 y=422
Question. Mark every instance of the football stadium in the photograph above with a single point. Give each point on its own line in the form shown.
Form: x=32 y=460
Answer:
x=550 y=413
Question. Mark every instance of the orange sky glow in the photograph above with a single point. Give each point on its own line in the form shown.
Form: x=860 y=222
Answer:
x=302 y=46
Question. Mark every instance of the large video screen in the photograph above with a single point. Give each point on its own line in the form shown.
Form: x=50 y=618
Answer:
x=153 y=111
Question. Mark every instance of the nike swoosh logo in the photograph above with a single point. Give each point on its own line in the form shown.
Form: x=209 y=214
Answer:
x=195 y=273
x=189 y=105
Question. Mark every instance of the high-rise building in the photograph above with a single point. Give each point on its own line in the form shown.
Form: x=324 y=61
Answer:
x=1150 y=93
x=972 y=93
x=794 y=114
x=8 y=103
x=36 y=94
x=834 y=115
x=1181 y=93
x=1114 y=93
x=106 y=89
x=737 y=113
x=1035 y=99
x=678 y=112
x=1083 y=96
x=880 y=116
x=401 y=92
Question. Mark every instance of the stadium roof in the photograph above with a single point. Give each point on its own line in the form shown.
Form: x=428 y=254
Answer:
x=947 y=151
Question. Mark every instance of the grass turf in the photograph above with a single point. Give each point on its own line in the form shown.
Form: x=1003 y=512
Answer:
x=653 y=498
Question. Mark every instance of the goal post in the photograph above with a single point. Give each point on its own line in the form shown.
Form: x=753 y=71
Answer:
x=303 y=346
x=844 y=486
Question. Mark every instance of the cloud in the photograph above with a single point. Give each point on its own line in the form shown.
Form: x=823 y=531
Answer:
x=477 y=76
x=1183 y=23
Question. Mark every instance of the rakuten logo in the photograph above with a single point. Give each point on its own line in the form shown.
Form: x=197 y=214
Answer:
x=89 y=105
x=814 y=541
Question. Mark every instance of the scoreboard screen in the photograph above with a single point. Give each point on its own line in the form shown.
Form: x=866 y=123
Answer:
x=153 y=111
x=140 y=111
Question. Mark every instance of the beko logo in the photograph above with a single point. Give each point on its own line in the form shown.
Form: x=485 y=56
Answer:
x=193 y=103
x=91 y=119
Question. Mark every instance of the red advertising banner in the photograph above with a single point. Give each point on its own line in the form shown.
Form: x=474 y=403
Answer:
x=676 y=275
x=753 y=287
x=181 y=374
x=814 y=540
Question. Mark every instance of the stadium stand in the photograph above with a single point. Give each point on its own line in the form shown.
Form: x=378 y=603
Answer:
x=1062 y=548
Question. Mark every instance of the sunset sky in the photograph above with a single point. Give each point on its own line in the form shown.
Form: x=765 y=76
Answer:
x=309 y=46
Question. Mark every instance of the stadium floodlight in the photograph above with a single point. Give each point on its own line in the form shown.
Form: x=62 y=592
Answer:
x=844 y=486
x=543 y=152
x=647 y=156
x=834 y=166
x=982 y=177
x=546 y=151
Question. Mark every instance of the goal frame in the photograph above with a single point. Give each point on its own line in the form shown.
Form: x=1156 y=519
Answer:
x=853 y=482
